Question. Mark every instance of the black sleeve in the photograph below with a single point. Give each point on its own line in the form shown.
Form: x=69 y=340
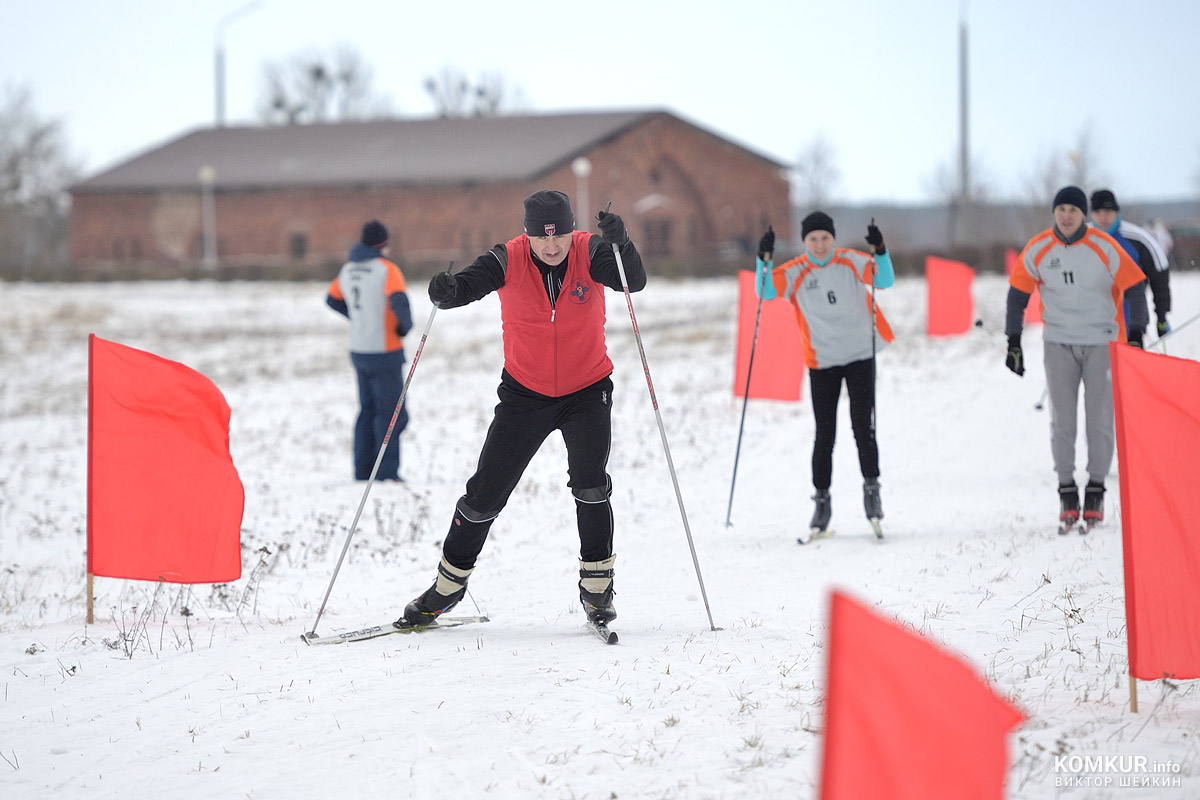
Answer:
x=604 y=265
x=1159 y=279
x=481 y=277
x=337 y=304
x=1014 y=312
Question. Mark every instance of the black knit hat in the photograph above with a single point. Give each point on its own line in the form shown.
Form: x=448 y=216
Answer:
x=1071 y=196
x=1104 y=200
x=816 y=221
x=374 y=234
x=548 y=213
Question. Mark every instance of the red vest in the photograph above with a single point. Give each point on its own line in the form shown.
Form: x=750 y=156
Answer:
x=560 y=350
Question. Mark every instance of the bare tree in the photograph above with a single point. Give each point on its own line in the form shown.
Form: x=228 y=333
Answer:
x=34 y=166
x=35 y=170
x=817 y=172
x=454 y=95
x=320 y=87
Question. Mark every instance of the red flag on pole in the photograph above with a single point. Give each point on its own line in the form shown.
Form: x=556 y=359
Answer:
x=905 y=720
x=1033 y=311
x=1157 y=404
x=164 y=500
x=951 y=307
x=779 y=354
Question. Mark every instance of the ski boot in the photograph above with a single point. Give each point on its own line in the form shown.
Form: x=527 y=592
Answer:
x=1093 y=505
x=449 y=588
x=596 y=590
x=818 y=526
x=1068 y=515
x=873 y=505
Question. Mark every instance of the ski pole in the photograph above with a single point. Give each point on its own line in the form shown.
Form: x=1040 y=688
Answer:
x=375 y=470
x=1174 y=331
x=746 y=397
x=662 y=432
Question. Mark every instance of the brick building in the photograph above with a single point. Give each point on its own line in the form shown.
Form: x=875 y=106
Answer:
x=292 y=199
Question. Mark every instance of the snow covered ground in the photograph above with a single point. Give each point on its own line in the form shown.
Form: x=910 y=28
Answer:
x=226 y=701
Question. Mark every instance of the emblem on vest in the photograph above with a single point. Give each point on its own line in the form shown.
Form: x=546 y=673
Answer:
x=1054 y=263
x=580 y=294
x=812 y=283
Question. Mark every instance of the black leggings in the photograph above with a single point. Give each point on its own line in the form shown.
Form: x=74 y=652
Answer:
x=826 y=387
x=523 y=419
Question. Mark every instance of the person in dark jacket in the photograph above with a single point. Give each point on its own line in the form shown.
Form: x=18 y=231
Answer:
x=556 y=376
x=370 y=290
x=1145 y=249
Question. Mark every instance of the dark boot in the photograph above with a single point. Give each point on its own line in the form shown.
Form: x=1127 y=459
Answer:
x=596 y=589
x=872 y=501
x=449 y=588
x=1068 y=499
x=1093 y=502
x=822 y=512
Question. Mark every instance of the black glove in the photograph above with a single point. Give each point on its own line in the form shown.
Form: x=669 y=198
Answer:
x=1164 y=327
x=1015 y=360
x=612 y=227
x=875 y=238
x=766 y=245
x=442 y=288
x=1135 y=337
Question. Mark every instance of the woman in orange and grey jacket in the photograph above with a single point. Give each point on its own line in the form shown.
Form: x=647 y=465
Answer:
x=832 y=290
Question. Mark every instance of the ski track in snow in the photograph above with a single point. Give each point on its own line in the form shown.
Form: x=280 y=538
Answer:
x=226 y=701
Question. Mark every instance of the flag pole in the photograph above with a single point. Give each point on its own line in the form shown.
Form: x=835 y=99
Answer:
x=90 y=470
x=1133 y=694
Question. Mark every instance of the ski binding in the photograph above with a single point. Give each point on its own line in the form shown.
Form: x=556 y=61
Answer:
x=601 y=630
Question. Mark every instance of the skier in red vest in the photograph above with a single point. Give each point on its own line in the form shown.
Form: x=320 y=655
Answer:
x=550 y=281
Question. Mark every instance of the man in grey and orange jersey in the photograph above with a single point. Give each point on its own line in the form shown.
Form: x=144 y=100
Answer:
x=370 y=290
x=1083 y=275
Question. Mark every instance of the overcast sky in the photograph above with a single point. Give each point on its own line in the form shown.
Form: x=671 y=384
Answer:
x=878 y=79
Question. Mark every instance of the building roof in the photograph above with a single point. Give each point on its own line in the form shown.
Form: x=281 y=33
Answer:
x=419 y=151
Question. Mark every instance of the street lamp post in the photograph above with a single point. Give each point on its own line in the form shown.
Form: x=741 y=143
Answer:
x=219 y=54
x=582 y=168
x=208 y=215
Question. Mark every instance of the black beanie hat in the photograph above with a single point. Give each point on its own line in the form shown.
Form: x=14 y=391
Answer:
x=374 y=234
x=548 y=213
x=1104 y=200
x=1071 y=196
x=816 y=221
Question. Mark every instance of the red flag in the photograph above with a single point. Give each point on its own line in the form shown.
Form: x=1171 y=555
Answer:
x=1157 y=404
x=164 y=499
x=779 y=354
x=951 y=307
x=904 y=720
x=1033 y=311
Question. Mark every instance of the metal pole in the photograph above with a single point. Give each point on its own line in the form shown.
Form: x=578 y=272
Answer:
x=662 y=432
x=219 y=55
x=374 y=470
x=746 y=396
x=1174 y=330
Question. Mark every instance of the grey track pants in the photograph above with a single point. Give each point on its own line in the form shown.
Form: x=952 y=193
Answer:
x=1066 y=367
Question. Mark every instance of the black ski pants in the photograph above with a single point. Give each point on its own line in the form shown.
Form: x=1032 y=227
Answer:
x=523 y=419
x=826 y=388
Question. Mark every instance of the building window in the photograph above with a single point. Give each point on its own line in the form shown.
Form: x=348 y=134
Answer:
x=658 y=238
x=298 y=246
